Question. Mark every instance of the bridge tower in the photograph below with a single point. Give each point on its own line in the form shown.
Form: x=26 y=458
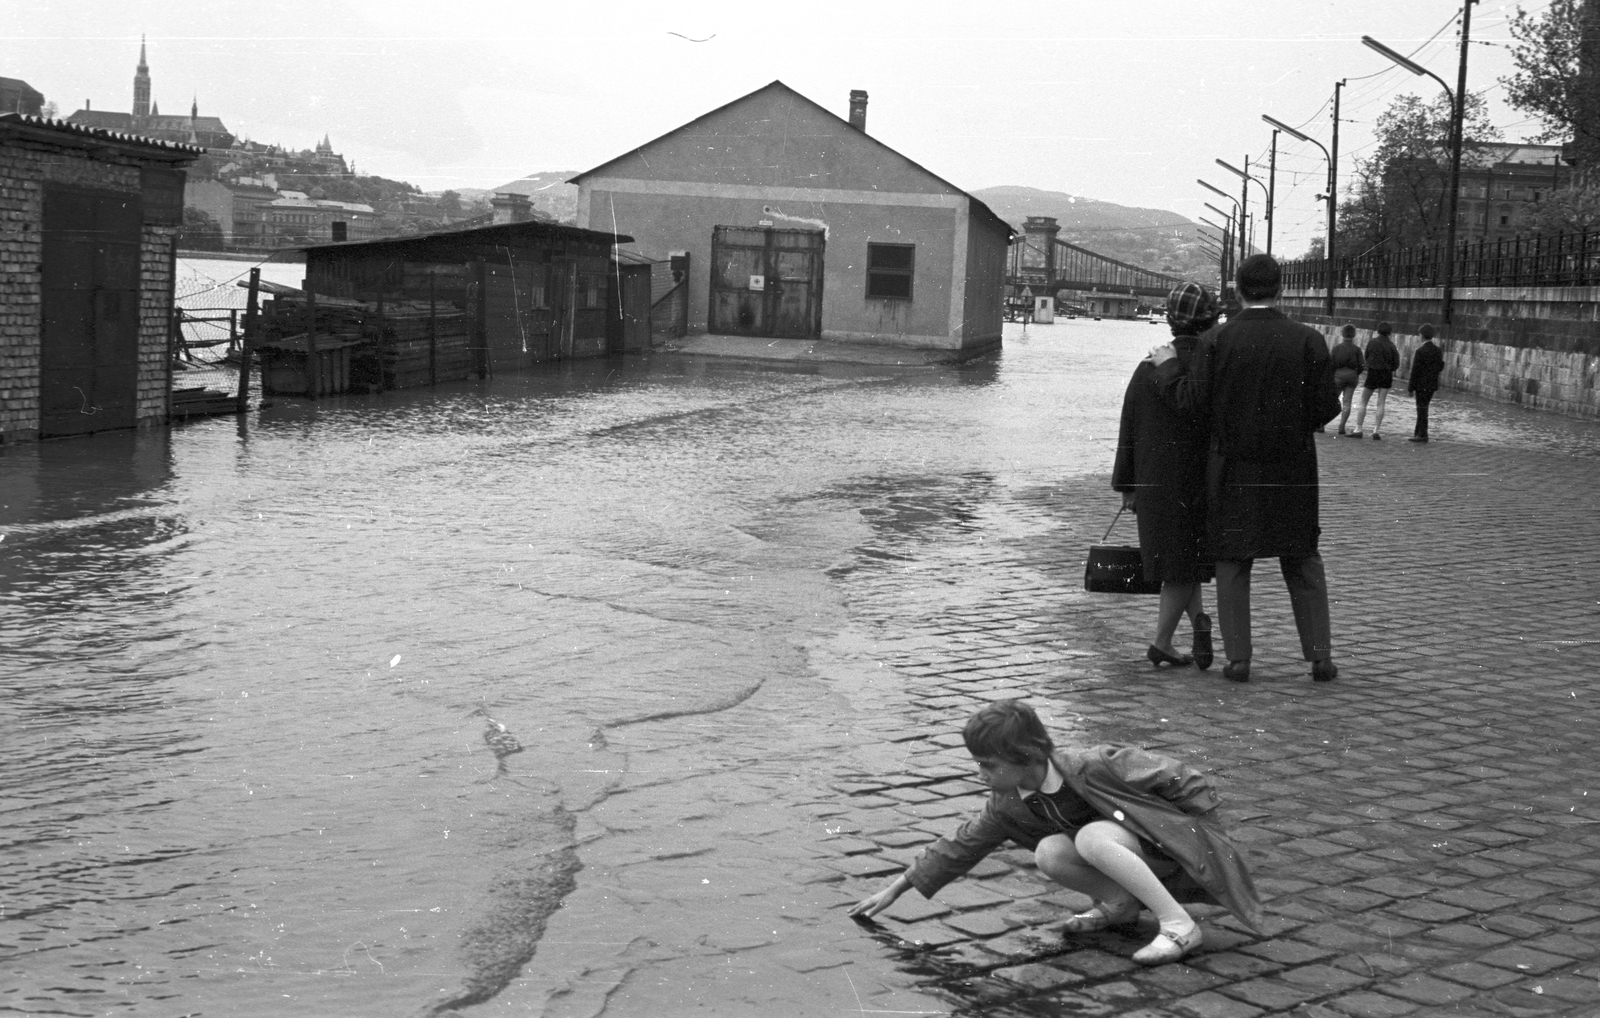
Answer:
x=1039 y=248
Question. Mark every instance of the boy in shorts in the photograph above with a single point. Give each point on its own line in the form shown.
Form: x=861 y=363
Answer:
x=1347 y=367
x=1124 y=826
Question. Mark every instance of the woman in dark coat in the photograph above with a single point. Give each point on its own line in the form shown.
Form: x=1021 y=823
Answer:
x=1161 y=472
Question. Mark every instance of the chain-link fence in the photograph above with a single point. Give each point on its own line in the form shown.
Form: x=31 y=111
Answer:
x=208 y=330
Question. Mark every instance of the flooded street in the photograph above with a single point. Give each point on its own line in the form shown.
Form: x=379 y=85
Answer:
x=498 y=697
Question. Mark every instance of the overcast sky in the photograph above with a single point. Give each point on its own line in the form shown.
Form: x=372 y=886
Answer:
x=1125 y=101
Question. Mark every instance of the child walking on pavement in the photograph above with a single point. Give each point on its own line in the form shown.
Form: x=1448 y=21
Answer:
x=1126 y=827
x=1383 y=360
x=1347 y=367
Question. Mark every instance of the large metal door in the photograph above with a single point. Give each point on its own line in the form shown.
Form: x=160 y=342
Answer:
x=89 y=339
x=766 y=282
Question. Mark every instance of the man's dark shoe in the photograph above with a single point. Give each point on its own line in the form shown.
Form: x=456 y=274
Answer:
x=1236 y=671
x=1416 y=438
x=1324 y=670
x=1377 y=437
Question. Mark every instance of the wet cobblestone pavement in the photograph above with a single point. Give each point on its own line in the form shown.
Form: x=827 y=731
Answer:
x=736 y=616
x=1422 y=829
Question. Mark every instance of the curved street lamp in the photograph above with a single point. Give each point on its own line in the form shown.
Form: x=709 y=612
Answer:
x=1327 y=250
x=1266 y=193
x=1458 y=112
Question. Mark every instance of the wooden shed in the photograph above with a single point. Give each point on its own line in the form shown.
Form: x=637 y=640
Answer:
x=467 y=303
x=90 y=219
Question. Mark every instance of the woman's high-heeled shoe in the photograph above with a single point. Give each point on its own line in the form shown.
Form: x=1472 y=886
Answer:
x=1159 y=657
x=1202 y=641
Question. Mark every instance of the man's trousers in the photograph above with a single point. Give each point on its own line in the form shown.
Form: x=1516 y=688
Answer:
x=1308 y=597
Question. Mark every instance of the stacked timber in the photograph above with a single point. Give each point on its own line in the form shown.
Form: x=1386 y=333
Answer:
x=416 y=345
x=395 y=344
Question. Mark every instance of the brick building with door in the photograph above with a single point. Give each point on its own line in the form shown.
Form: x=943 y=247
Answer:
x=87 y=226
x=798 y=224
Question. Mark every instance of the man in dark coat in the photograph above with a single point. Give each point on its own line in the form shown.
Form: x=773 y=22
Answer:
x=1427 y=364
x=1265 y=384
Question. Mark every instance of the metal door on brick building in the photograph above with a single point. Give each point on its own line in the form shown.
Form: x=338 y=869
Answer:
x=89 y=339
x=766 y=282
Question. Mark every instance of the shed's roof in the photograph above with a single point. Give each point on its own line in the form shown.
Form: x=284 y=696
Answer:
x=501 y=233
x=977 y=204
x=79 y=136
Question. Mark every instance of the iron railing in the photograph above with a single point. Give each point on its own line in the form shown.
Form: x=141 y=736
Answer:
x=1562 y=259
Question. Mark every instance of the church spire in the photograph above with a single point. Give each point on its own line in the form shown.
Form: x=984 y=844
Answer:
x=141 y=84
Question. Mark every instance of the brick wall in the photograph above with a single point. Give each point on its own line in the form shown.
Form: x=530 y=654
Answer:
x=25 y=168
x=1535 y=346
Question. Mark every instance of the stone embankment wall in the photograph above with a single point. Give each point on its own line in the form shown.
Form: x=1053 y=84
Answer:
x=1530 y=345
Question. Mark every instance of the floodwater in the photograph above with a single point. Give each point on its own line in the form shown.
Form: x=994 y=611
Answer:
x=329 y=710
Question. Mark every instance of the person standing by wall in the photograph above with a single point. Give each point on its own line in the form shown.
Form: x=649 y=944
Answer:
x=1265 y=384
x=1347 y=367
x=1427 y=364
x=1383 y=360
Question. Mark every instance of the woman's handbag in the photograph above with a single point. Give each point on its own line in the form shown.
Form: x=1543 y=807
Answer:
x=1116 y=568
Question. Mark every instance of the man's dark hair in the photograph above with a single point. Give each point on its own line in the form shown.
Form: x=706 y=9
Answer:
x=1259 y=277
x=1008 y=730
x=1384 y=328
x=1348 y=332
x=1426 y=331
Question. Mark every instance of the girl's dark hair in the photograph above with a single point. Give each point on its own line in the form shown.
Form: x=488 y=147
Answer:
x=1008 y=730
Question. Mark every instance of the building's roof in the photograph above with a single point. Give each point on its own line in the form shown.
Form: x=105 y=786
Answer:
x=20 y=85
x=502 y=233
x=112 y=121
x=81 y=135
x=319 y=203
x=977 y=204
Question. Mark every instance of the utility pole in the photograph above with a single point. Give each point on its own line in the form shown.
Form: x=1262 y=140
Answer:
x=1244 y=207
x=1333 y=193
x=1272 y=188
x=1458 y=128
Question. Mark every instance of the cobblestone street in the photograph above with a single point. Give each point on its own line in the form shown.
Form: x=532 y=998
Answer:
x=1422 y=829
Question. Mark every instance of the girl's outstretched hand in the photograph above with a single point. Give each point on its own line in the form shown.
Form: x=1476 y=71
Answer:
x=869 y=907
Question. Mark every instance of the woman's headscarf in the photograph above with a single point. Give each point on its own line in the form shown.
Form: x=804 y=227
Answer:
x=1192 y=309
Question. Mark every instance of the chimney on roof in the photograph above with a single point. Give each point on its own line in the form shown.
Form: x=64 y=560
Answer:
x=510 y=207
x=858 y=110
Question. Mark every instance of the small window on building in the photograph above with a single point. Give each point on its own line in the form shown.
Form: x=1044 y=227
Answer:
x=889 y=270
x=1505 y=220
x=591 y=290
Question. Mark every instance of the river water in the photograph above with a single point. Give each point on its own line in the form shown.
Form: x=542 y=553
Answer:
x=329 y=710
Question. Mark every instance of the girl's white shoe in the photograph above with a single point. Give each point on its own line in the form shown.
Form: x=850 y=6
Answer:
x=1168 y=946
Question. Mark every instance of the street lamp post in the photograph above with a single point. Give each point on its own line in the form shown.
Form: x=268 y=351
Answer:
x=1458 y=112
x=1272 y=189
x=1236 y=219
x=1228 y=234
x=1245 y=174
x=1327 y=251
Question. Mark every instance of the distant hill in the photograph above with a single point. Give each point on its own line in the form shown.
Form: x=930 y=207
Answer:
x=1150 y=238
x=549 y=192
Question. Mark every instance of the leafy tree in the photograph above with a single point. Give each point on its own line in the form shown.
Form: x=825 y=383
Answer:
x=1401 y=193
x=1551 y=81
x=450 y=202
x=1571 y=209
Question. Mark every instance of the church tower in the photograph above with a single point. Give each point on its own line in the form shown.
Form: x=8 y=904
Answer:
x=141 y=85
